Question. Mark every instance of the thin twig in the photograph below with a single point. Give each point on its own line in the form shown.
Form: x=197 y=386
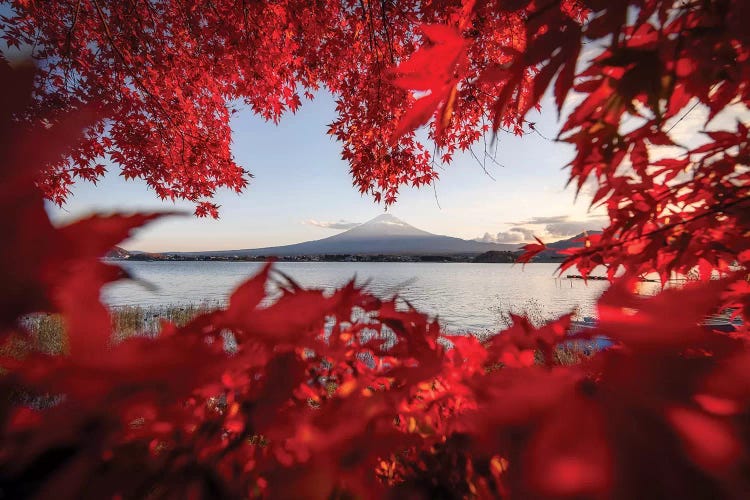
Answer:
x=683 y=116
x=481 y=164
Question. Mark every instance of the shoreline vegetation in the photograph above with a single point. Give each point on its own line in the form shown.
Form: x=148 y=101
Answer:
x=46 y=332
x=491 y=257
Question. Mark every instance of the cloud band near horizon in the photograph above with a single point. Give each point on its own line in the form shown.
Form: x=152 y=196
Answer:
x=341 y=225
x=550 y=228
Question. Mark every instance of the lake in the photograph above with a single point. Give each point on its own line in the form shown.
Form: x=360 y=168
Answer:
x=468 y=297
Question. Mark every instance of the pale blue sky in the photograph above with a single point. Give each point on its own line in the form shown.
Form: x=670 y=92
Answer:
x=300 y=177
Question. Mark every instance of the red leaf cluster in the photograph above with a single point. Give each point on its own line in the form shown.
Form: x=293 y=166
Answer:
x=171 y=74
x=673 y=205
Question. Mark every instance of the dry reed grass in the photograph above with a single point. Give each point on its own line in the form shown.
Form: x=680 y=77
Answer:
x=47 y=331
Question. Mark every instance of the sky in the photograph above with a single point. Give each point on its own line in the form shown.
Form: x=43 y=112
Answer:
x=302 y=190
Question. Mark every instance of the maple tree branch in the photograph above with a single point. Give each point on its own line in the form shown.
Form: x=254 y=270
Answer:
x=532 y=126
x=151 y=11
x=135 y=14
x=68 y=43
x=683 y=116
x=434 y=192
x=386 y=25
x=69 y=35
x=708 y=212
x=124 y=61
x=481 y=164
x=246 y=34
x=492 y=156
x=136 y=79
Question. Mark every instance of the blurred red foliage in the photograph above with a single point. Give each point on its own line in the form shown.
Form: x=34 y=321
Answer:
x=346 y=395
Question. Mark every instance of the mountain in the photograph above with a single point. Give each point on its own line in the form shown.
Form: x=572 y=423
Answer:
x=552 y=254
x=383 y=235
x=117 y=253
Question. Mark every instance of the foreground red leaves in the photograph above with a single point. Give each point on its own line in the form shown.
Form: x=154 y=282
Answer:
x=342 y=394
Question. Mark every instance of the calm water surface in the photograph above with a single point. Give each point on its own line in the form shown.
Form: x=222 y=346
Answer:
x=468 y=297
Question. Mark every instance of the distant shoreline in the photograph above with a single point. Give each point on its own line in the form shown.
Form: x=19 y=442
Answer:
x=485 y=258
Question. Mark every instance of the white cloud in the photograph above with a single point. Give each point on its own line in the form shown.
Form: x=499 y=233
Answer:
x=570 y=228
x=549 y=228
x=513 y=235
x=341 y=225
x=545 y=220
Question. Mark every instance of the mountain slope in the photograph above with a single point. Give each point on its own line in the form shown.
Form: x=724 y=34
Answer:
x=385 y=234
x=552 y=254
x=117 y=253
